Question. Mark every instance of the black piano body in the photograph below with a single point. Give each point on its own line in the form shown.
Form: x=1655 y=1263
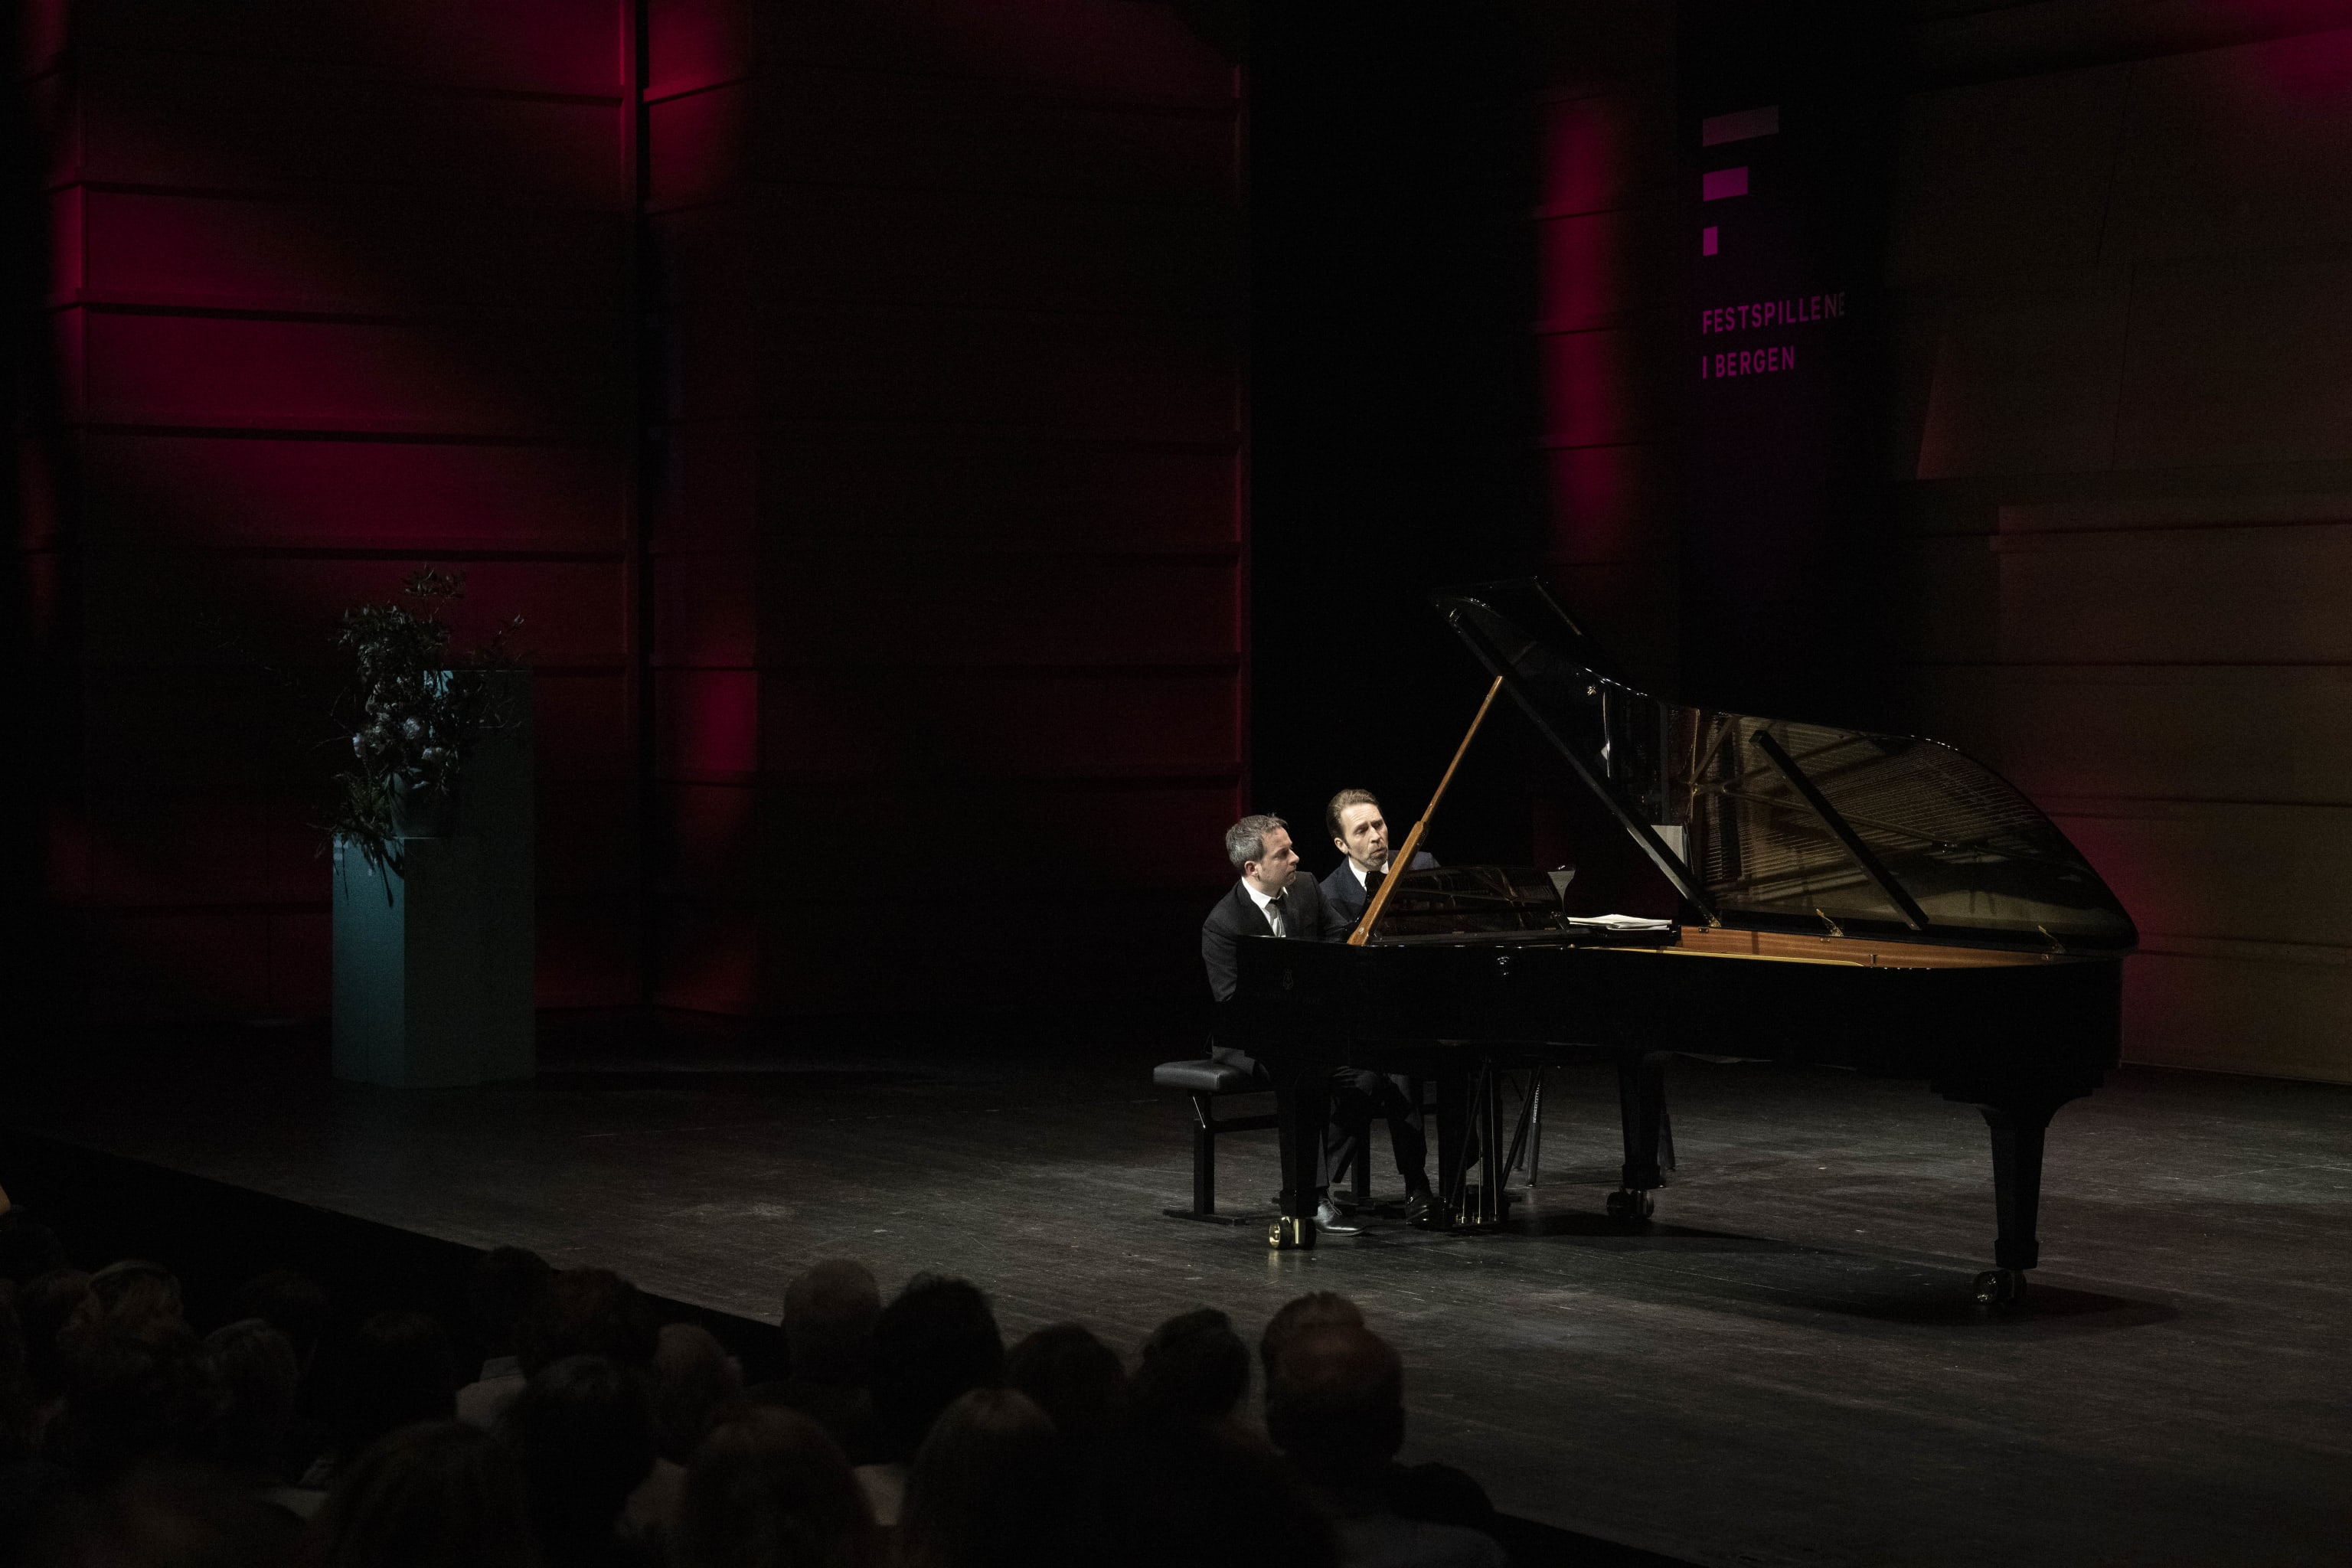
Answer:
x=1875 y=903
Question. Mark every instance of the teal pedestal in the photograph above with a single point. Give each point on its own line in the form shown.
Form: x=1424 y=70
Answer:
x=434 y=964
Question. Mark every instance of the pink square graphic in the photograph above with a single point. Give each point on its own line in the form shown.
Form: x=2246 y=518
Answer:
x=1717 y=183
x=1706 y=241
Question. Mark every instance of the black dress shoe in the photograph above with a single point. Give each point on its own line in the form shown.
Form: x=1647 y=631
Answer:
x=1328 y=1218
x=1419 y=1204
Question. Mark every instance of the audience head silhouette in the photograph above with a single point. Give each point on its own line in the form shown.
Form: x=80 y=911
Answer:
x=398 y=1370
x=768 y=1488
x=1195 y=1368
x=981 y=1490
x=829 y=1316
x=432 y=1494
x=1336 y=1404
x=938 y=1339
x=1075 y=1378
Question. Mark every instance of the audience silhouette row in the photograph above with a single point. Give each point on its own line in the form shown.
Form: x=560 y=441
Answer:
x=904 y=1433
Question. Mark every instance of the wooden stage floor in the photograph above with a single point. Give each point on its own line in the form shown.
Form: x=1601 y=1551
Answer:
x=1785 y=1370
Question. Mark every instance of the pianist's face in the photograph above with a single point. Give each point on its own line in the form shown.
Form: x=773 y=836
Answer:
x=1364 y=836
x=1273 y=873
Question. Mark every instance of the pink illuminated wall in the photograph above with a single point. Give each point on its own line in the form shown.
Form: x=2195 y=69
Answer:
x=332 y=291
x=918 y=326
x=1604 y=337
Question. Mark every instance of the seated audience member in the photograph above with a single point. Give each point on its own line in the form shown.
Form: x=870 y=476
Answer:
x=588 y=1312
x=1075 y=1378
x=1177 y=1494
x=167 y=1515
x=937 y=1340
x=44 y=1308
x=1315 y=1310
x=297 y=1307
x=131 y=1399
x=1439 y=1493
x=982 y=1489
x=694 y=1381
x=429 y=1494
x=133 y=1297
x=1335 y=1406
x=27 y=1482
x=257 y=1374
x=770 y=1489
x=1193 y=1368
x=829 y=1316
x=583 y=1430
x=505 y=1286
x=397 y=1370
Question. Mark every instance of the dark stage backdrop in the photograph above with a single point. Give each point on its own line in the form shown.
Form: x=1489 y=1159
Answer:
x=851 y=397
x=323 y=293
x=947 y=521
x=848 y=397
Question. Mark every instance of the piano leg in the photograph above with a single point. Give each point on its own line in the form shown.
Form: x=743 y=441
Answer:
x=1642 y=1108
x=1302 y=1110
x=2018 y=1128
x=1453 y=1139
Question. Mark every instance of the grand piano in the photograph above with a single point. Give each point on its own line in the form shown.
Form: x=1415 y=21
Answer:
x=1871 y=901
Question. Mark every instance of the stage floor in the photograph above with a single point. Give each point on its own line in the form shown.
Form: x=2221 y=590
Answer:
x=1786 y=1370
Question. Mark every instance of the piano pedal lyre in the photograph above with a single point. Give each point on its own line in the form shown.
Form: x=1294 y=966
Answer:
x=1290 y=1231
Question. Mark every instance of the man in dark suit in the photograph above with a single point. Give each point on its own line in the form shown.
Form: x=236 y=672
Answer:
x=1361 y=832
x=1273 y=900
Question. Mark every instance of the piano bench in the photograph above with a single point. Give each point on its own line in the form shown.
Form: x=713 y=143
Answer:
x=1206 y=1081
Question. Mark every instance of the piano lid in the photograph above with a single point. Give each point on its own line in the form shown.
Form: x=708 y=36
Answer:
x=1767 y=824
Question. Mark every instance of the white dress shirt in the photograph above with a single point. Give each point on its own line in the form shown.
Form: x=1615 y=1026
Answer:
x=1264 y=904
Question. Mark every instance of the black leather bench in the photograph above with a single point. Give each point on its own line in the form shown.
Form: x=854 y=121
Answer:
x=1208 y=1081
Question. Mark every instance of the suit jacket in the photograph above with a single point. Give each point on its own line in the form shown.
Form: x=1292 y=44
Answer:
x=1307 y=916
x=1344 y=893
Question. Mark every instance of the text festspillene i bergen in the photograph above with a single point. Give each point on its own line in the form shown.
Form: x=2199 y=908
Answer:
x=1762 y=313
x=1772 y=313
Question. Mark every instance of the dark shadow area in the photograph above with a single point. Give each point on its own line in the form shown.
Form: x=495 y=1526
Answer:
x=1393 y=403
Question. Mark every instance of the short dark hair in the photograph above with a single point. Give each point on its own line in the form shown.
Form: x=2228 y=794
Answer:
x=438 y=1492
x=1193 y=1368
x=505 y=1284
x=767 y=1484
x=1075 y=1378
x=1299 y=1315
x=397 y=1370
x=1342 y=802
x=829 y=1314
x=259 y=1373
x=583 y=1431
x=937 y=1340
x=1246 y=839
x=1335 y=1403
x=588 y=1312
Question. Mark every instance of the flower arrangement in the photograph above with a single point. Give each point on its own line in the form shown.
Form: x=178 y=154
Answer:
x=412 y=715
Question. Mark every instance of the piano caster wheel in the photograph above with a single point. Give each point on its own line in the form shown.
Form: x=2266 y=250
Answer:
x=1288 y=1232
x=1629 y=1207
x=2001 y=1289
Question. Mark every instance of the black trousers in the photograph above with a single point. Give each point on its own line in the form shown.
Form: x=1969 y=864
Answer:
x=1360 y=1095
x=1356 y=1096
